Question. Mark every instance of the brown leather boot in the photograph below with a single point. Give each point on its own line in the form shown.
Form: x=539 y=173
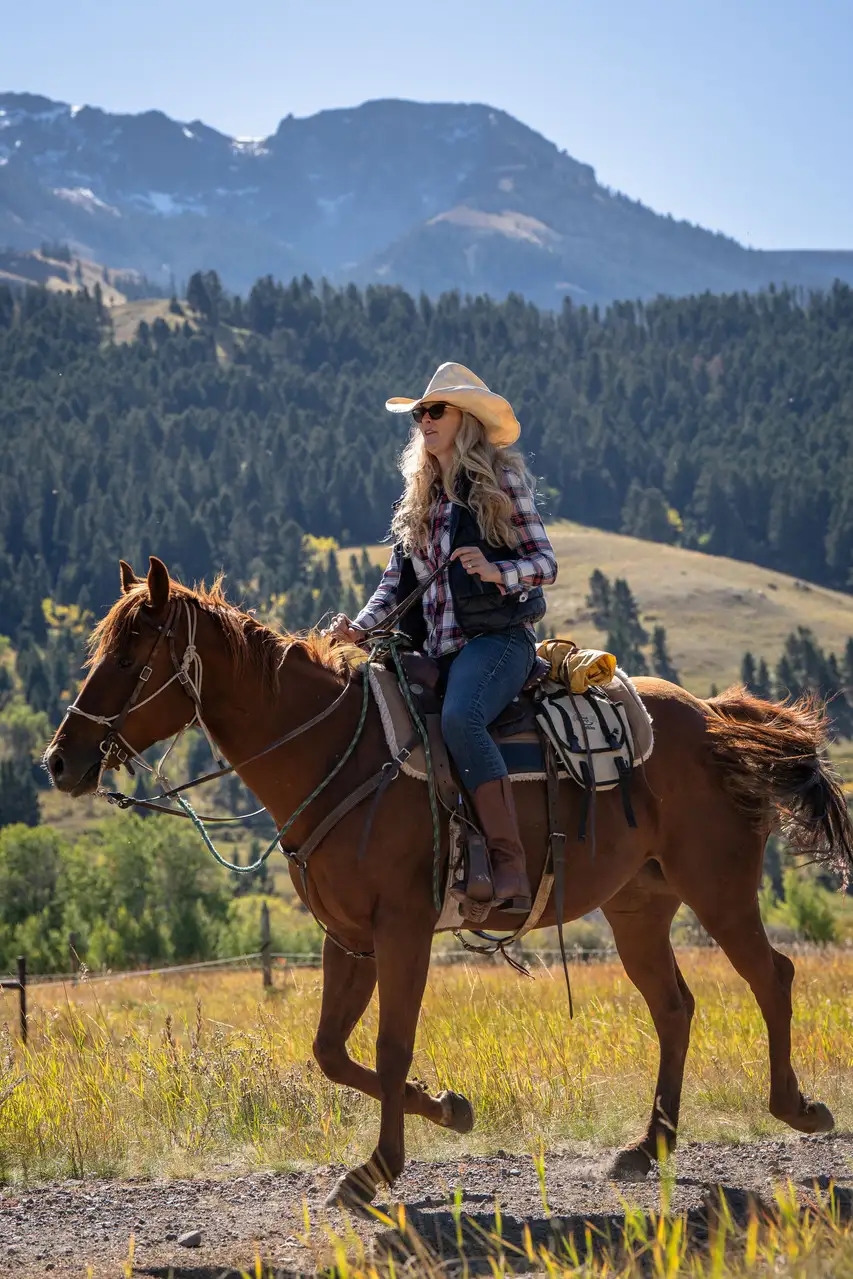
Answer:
x=496 y=811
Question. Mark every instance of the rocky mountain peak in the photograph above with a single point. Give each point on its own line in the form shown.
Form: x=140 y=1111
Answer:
x=432 y=195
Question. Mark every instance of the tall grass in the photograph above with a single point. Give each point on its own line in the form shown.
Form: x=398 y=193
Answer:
x=201 y=1073
x=786 y=1239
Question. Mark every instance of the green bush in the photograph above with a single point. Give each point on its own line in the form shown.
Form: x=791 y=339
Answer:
x=805 y=908
x=135 y=893
x=292 y=930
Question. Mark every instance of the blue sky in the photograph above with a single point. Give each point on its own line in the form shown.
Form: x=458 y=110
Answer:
x=736 y=114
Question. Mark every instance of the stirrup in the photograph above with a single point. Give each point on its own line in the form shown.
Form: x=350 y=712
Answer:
x=515 y=905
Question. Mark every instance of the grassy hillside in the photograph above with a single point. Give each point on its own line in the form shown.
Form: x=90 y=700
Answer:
x=21 y=269
x=127 y=316
x=714 y=609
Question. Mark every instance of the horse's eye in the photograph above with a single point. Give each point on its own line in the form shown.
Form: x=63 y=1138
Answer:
x=125 y=662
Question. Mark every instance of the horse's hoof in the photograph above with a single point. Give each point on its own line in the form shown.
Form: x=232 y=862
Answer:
x=811 y=1117
x=457 y=1111
x=817 y=1118
x=631 y=1164
x=353 y=1191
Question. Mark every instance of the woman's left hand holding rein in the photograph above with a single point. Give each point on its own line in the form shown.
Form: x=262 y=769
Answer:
x=476 y=565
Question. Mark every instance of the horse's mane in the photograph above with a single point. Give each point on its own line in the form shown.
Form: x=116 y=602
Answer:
x=250 y=642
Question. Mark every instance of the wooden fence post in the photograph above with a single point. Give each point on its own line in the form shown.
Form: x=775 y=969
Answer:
x=266 y=960
x=19 y=984
x=22 y=995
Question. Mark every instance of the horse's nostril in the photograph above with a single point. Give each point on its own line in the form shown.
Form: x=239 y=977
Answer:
x=56 y=765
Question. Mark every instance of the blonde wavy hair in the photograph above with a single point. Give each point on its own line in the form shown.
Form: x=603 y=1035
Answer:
x=482 y=462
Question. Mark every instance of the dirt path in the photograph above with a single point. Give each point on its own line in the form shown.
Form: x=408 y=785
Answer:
x=62 y=1228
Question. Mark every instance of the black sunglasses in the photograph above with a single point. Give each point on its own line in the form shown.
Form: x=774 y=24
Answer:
x=435 y=411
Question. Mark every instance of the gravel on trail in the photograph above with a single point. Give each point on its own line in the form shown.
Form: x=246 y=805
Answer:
x=60 y=1229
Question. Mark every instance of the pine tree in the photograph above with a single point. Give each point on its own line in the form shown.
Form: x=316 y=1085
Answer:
x=370 y=574
x=847 y=664
x=599 y=600
x=7 y=686
x=763 y=686
x=784 y=678
x=626 y=635
x=646 y=514
x=661 y=662
x=240 y=882
x=747 y=671
x=837 y=703
x=300 y=610
x=18 y=793
x=140 y=792
x=350 y=604
x=198 y=297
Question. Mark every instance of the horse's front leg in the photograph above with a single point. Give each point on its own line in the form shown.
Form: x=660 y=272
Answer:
x=402 y=962
x=348 y=984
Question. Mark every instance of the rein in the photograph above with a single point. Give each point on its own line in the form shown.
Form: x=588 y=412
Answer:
x=385 y=628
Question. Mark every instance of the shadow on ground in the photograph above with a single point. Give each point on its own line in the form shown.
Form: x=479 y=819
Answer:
x=442 y=1239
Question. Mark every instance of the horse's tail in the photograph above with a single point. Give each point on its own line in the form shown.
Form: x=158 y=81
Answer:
x=773 y=758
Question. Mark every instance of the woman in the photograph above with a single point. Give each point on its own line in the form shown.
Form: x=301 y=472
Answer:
x=468 y=504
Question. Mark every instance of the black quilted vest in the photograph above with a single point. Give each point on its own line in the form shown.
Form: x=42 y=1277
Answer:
x=480 y=607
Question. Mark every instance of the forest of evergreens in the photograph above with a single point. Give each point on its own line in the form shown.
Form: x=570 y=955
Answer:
x=720 y=423
x=254 y=429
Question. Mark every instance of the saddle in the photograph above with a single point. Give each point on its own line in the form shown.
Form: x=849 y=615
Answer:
x=424 y=676
x=596 y=738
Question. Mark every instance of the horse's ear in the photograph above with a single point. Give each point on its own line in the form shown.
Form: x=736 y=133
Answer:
x=128 y=577
x=158 y=585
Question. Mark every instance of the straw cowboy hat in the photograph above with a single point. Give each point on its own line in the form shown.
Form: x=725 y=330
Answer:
x=454 y=384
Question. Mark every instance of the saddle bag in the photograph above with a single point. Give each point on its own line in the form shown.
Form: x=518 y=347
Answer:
x=591 y=738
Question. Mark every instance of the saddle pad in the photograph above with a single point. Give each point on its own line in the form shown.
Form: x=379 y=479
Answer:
x=522 y=753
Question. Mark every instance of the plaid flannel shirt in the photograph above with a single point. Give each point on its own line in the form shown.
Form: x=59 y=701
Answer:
x=535 y=565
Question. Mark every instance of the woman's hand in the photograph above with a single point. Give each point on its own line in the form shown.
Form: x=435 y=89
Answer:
x=475 y=564
x=345 y=629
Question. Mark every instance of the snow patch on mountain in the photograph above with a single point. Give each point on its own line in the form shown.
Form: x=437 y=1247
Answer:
x=169 y=206
x=250 y=146
x=86 y=199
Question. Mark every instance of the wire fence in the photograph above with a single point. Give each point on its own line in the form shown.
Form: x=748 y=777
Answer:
x=266 y=959
x=255 y=961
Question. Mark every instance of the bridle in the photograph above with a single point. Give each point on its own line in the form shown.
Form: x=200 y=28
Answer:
x=188 y=672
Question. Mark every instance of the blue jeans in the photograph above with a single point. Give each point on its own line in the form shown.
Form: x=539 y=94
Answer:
x=483 y=678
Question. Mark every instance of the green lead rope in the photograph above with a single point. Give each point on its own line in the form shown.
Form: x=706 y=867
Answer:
x=437 y=895
x=392 y=644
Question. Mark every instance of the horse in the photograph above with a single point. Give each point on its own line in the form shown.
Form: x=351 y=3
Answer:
x=725 y=773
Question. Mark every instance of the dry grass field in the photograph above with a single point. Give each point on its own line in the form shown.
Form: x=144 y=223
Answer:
x=714 y=609
x=201 y=1080
x=201 y=1074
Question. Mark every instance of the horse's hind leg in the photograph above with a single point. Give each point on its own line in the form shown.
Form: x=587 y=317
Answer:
x=402 y=960
x=727 y=906
x=348 y=984
x=640 y=917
